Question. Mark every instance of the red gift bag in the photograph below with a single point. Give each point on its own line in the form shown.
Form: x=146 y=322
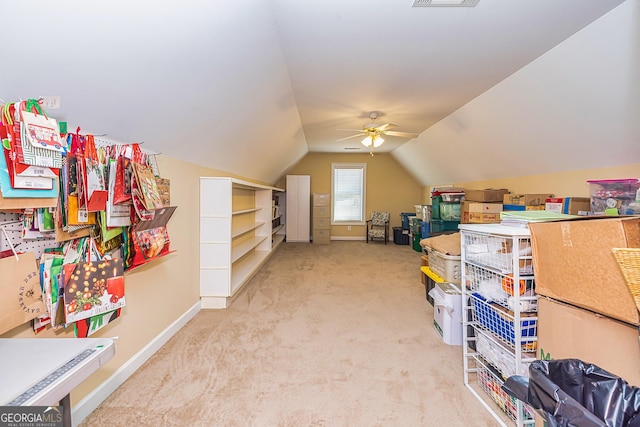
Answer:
x=124 y=171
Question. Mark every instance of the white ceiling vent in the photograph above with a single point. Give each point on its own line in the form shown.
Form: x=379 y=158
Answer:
x=445 y=3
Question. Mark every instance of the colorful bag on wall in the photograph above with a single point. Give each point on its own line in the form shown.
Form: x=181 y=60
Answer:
x=148 y=245
x=20 y=288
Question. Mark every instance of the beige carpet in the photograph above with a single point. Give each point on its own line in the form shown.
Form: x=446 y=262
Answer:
x=324 y=335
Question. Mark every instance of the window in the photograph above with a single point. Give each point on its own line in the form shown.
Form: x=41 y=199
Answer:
x=348 y=188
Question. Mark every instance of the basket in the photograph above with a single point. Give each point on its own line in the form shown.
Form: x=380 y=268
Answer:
x=629 y=262
x=445 y=266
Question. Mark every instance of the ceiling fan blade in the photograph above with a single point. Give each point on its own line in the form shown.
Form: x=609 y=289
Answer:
x=385 y=126
x=352 y=130
x=352 y=136
x=401 y=134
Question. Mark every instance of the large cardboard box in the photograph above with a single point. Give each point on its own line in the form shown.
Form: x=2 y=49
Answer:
x=573 y=262
x=526 y=199
x=480 y=213
x=488 y=195
x=566 y=331
x=484 y=207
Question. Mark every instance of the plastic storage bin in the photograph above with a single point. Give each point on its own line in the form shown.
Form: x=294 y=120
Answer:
x=435 y=207
x=445 y=266
x=425 y=228
x=614 y=196
x=438 y=225
x=450 y=211
x=405 y=219
x=447 y=312
x=430 y=280
x=400 y=236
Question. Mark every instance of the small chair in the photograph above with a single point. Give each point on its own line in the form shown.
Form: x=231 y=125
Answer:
x=378 y=226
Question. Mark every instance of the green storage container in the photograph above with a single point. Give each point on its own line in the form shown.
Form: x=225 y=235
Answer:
x=416 y=243
x=438 y=225
x=435 y=207
x=450 y=211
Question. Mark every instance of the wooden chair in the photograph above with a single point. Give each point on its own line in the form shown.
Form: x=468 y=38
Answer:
x=378 y=226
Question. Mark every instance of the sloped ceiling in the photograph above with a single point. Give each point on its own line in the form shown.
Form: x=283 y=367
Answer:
x=251 y=87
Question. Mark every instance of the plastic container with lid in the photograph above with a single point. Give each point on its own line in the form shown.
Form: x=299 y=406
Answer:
x=615 y=196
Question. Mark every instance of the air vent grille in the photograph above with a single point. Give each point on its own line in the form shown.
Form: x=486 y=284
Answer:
x=445 y=3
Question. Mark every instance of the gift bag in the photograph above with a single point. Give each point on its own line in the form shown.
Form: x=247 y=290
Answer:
x=148 y=245
x=40 y=130
x=124 y=171
x=21 y=296
x=93 y=288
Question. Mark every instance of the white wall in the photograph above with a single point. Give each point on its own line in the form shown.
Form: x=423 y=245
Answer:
x=575 y=107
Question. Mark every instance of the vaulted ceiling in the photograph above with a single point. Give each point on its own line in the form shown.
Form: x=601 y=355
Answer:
x=251 y=87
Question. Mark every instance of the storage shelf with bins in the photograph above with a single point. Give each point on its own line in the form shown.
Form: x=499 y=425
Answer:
x=499 y=315
x=278 y=220
x=236 y=236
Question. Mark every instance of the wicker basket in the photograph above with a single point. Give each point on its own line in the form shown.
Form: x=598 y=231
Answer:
x=629 y=261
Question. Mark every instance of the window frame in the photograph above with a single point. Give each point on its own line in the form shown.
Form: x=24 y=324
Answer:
x=363 y=168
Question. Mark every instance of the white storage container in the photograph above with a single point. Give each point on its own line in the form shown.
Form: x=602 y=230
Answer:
x=445 y=266
x=447 y=312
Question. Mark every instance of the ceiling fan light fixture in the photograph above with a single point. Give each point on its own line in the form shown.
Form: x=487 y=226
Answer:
x=374 y=140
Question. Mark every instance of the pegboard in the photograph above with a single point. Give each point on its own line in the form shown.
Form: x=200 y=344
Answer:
x=12 y=223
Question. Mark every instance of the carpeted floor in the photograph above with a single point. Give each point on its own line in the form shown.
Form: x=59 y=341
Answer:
x=323 y=335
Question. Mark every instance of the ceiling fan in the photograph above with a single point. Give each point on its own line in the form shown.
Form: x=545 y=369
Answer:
x=373 y=132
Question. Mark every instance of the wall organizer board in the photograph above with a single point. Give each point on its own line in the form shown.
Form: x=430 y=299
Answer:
x=77 y=211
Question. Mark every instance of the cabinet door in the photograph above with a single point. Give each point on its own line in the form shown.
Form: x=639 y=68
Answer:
x=298 y=208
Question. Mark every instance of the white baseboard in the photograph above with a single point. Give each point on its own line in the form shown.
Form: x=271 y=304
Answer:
x=90 y=402
x=348 y=238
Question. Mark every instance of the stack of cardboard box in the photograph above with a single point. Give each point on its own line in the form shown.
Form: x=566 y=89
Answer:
x=586 y=310
x=482 y=206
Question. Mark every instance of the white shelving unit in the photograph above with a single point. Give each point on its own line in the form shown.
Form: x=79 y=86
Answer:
x=499 y=317
x=278 y=231
x=236 y=236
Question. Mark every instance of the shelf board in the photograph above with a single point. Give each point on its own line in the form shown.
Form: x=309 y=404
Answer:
x=245 y=229
x=277 y=239
x=243 y=248
x=244 y=211
x=246 y=268
x=276 y=229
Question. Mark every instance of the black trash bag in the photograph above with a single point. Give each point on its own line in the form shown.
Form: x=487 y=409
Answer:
x=572 y=393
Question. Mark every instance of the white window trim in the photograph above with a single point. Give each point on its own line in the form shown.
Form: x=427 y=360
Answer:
x=362 y=166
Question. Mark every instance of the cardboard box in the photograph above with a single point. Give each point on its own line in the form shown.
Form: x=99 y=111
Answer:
x=488 y=195
x=553 y=204
x=484 y=207
x=464 y=212
x=566 y=331
x=484 y=218
x=576 y=205
x=525 y=199
x=573 y=262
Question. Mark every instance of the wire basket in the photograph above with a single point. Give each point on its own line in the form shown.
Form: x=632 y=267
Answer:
x=629 y=262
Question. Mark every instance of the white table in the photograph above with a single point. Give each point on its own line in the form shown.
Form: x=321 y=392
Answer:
x=43 y=371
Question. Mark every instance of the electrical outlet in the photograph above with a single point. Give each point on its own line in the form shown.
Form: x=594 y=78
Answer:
x=49 y=102
x=348 y=228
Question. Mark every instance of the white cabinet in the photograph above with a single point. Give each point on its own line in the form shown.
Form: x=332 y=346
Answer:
x=298 y=208
x=235 y=236
x=499 y=315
